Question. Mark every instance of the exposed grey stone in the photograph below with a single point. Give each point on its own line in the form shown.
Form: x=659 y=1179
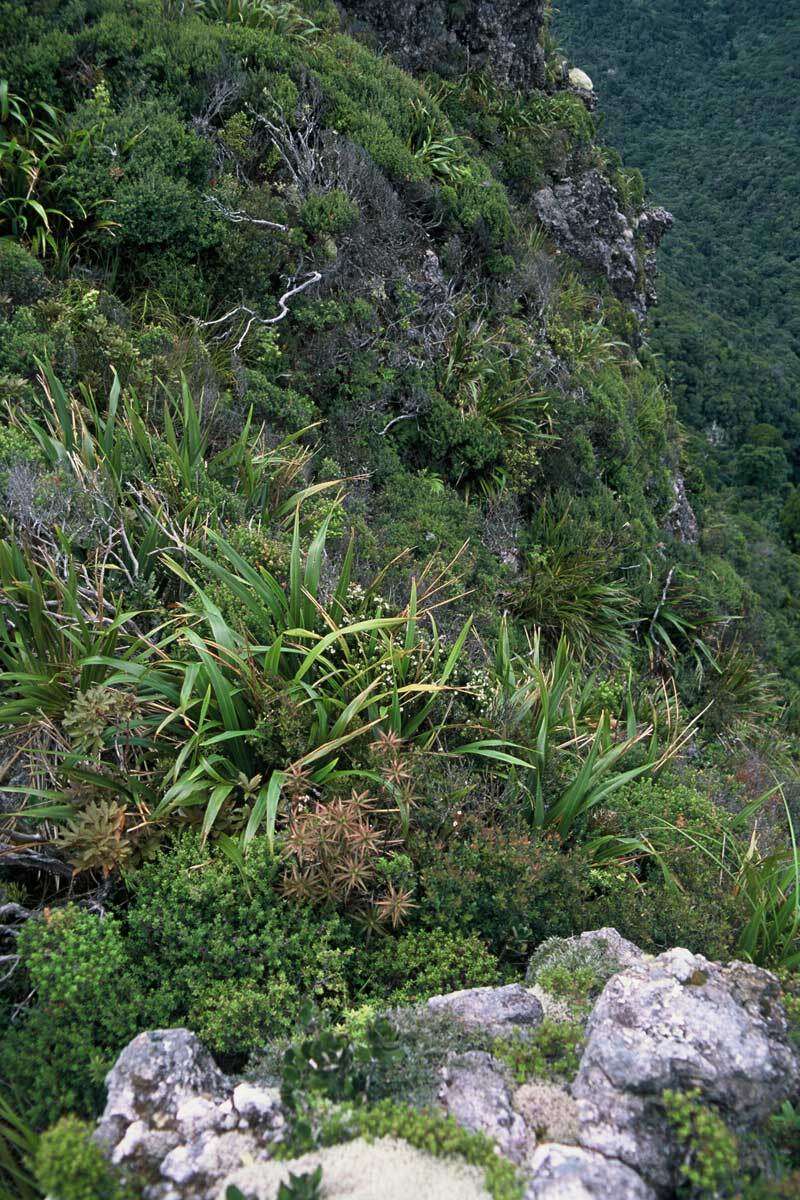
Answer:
x=652 y=225
x=579 y=79
x=680 y=1022
x=499 y=36
x=177 y=1122
x=584 y=219
x=474 y=1093
x=202 y=1163
x=613 y=945
x=152 y=1076
x=257 y=1104
x=569 y=1173
x=500 y=1010
x=681 y=521
x=140 y=1143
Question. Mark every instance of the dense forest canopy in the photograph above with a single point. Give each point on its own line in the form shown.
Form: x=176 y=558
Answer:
x=706 y=105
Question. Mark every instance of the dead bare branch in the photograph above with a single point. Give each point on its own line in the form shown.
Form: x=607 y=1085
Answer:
x=253 y=317
x=238 y=217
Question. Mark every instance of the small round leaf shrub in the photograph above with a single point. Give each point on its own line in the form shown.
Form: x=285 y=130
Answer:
x=425 y=963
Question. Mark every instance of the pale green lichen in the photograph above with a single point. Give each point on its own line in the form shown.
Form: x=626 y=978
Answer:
x=548 y=1110
x=361 y=1170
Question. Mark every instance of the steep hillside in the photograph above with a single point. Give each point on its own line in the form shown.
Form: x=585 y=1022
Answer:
x=706 y=106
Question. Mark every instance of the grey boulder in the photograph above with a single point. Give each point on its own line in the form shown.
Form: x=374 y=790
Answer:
x=680 y=1022
x=498 y=36
x=569 y=1173
x=475 y=1094
x=177 y=1122
x=500 y=1011
x=584 y=218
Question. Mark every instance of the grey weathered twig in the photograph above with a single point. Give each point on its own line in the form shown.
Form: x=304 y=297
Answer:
x=254 y=318
x=238 y=217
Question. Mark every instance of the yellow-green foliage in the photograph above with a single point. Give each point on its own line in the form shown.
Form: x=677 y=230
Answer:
x=70 y=1166
x=552 y=1051
x=439 y=1135
x=710 y=1151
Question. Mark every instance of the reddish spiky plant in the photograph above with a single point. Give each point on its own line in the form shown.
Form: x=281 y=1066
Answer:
x=332 y=849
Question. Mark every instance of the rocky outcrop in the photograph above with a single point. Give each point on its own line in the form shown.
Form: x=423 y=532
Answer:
x=584 y=219
x=176 y=1122
x=652 y=226
x=580 y=80
x=681 y=520
x=475 y=1093
x=569 y=1173
x=673 y=1022
x=679 y=1022
x=499 y=36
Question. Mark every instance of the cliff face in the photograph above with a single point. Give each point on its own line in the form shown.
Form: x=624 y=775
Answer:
x=501 y=36
x=583 y=216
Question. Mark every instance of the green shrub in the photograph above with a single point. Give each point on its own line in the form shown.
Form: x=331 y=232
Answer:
x=22 y=279
x=787 y=1188
x=697 y=906
x=18 y=1145
x=236 y=1016
x=326 y=1062
x=575 y=984
x=70 y=1166
x=696 y=909
x=710 y=1151
x=569 y=591
x=17 y=447
x=425 y=1041
x=509 y=890
x=572 y=970
x=328 y=213
x=552 y=1051
x=425 y=963
x=222 y=947
x=86 y=1006
x=784 y=1131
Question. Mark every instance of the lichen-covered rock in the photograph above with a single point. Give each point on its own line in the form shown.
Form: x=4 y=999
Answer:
x=177 y=1122
x=197 y=1166
x=611 y=945
x=569 y=1173
x=579 y=79
x=550 y=1113
x=584 y=219
x=680 y=1022
x=499 y=36
x=652 y=225
x=499 y=1011
x=387 y=1168
x=475 y=1093
x=153 y=1076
